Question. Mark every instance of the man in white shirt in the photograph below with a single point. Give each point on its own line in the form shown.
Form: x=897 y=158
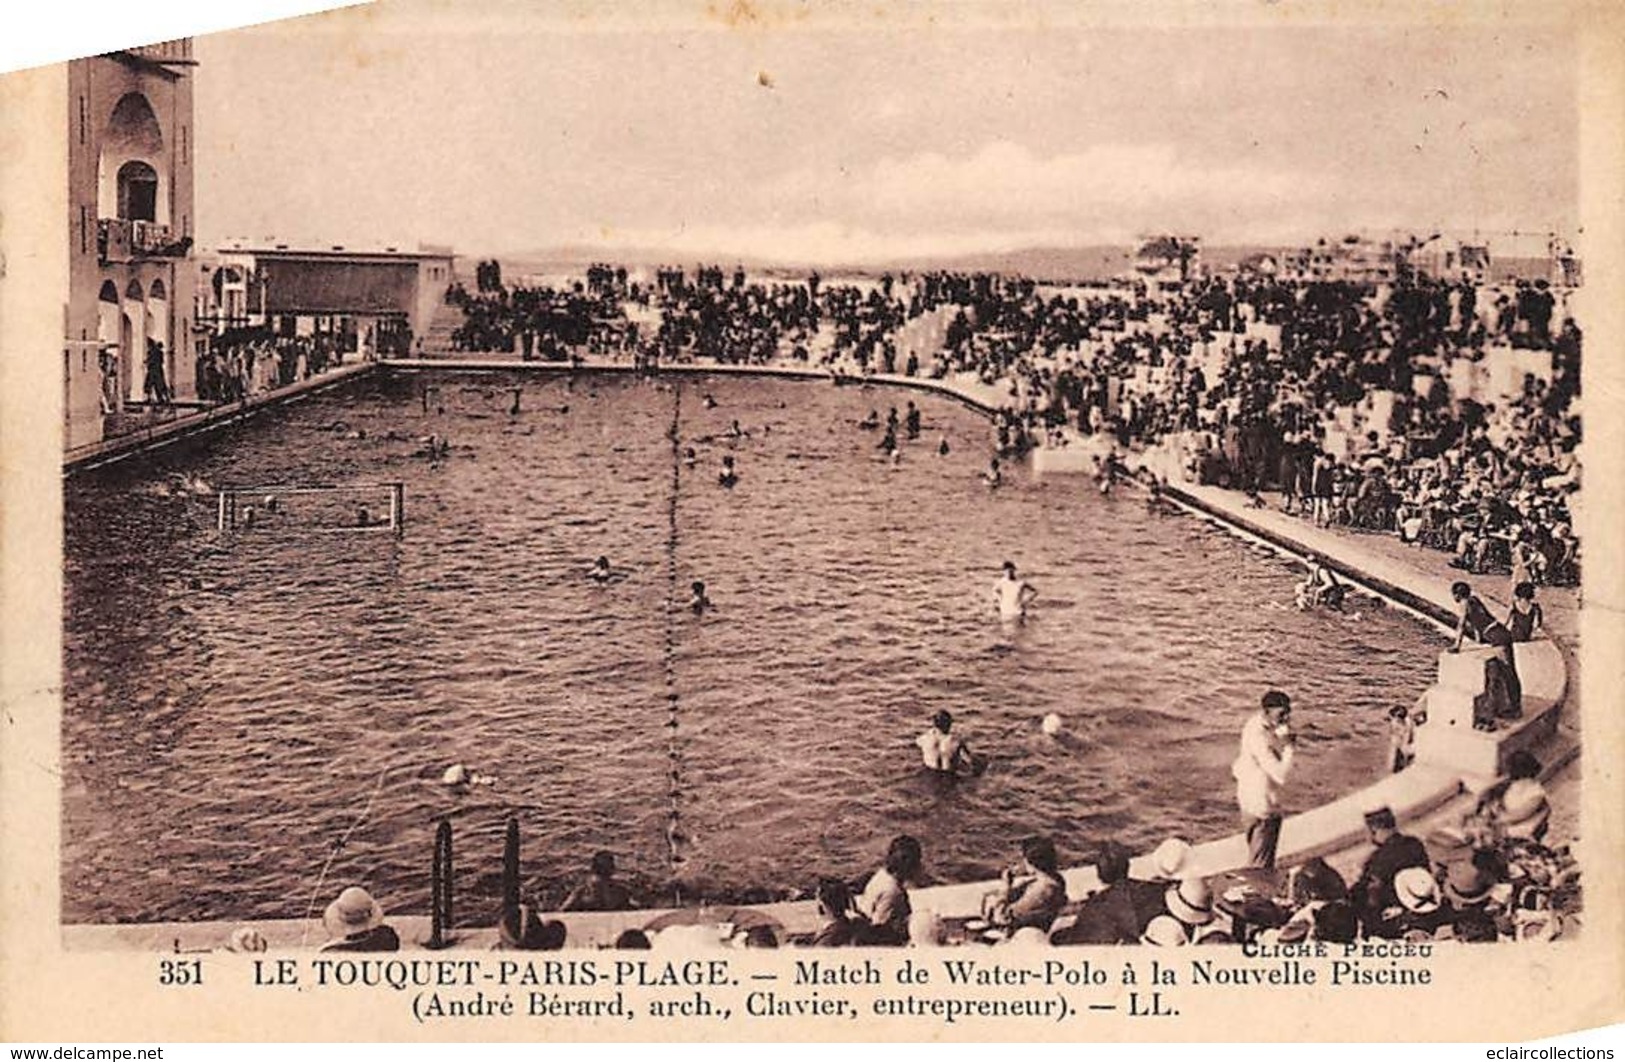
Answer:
x=1260 y=771
x=1012 y=594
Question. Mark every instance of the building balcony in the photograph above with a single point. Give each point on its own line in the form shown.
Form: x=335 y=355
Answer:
x=124 y=240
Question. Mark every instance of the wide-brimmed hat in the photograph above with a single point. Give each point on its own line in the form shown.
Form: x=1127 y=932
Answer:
x=355 y=911
x=1191 y=901
x=1416 y=890
x=1524 y=809
x=1164 y=931
x=1170 y=857
x=1467 y=886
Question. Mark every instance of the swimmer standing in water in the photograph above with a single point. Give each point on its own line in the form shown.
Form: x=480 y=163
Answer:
x=729 y=476
x=1012 y=594
x=698 y=602
x=993 y=477
x=943 y=751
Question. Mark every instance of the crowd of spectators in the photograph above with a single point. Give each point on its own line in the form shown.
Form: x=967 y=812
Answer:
x=241 y=364
x=1350 y=400
x=1491 y=876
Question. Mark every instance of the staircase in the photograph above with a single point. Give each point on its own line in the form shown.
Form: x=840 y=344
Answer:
x=437 y=337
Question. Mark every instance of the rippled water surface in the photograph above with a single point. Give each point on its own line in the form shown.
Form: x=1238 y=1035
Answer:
x=237 y=706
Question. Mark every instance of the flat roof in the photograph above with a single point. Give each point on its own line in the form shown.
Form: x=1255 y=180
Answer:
x=334 y=252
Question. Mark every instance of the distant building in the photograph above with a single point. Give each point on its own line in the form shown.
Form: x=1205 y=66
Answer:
x=1168 y=259
x=1500 y=259
x=1352 y=259
x=128 y=301
x=372 y=300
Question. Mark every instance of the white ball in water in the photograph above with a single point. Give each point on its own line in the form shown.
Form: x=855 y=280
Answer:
x=1051 y=724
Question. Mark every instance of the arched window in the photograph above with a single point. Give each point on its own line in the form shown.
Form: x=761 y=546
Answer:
x=109 y=292
x=130 y=184
x=137 y=191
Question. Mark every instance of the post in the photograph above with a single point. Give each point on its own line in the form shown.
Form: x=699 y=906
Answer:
x=397 y=508
x=440 y=890
x=220 y=513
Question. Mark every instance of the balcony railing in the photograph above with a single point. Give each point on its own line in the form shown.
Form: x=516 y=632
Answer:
x=124 y=240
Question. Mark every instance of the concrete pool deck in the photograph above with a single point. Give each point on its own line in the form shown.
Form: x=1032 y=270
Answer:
x=1423 y=794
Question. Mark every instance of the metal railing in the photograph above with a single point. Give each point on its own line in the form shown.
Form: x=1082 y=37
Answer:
x=125 y=239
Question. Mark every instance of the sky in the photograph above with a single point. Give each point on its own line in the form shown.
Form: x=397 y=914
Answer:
x=800 y=134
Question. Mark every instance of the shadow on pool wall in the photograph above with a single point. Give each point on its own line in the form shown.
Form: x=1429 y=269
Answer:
x=1450 y=761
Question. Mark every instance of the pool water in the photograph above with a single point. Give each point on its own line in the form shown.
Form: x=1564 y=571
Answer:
x=253 y=720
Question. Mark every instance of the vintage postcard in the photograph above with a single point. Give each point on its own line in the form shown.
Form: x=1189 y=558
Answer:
x=1077 y=522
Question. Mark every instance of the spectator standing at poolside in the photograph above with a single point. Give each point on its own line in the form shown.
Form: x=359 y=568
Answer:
x=1260 y=771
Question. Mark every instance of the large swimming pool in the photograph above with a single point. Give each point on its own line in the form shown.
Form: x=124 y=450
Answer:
x=235 y=706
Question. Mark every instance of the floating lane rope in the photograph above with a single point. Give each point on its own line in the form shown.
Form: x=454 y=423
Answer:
x=674 y=814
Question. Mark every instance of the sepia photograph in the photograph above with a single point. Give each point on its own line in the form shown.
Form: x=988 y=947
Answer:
x=1010 y=489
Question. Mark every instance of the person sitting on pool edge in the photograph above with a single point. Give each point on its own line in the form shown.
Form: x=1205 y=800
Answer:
x=885 y=901
x=355 y=922
x=841 y=924
x=943 y=751
x=1033 y=893
x=1505 y=691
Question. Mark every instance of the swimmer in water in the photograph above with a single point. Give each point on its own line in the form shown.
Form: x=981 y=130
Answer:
x=363 y=518
x=943 y=751
x=690 y=458
x=698 y=603
x=911 y=421
x=1321 y=587
x=729 y=476
x=993 y=477
x=1012 y=594
x=736 y=432
x=888 y=442
x=600 y=571
x=709 y=403
x=942 y=447
x=871 y=422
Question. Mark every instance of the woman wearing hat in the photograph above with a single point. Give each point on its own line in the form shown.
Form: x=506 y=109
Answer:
x=1191 y=904
x=355 y=922
x=1421 y=910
